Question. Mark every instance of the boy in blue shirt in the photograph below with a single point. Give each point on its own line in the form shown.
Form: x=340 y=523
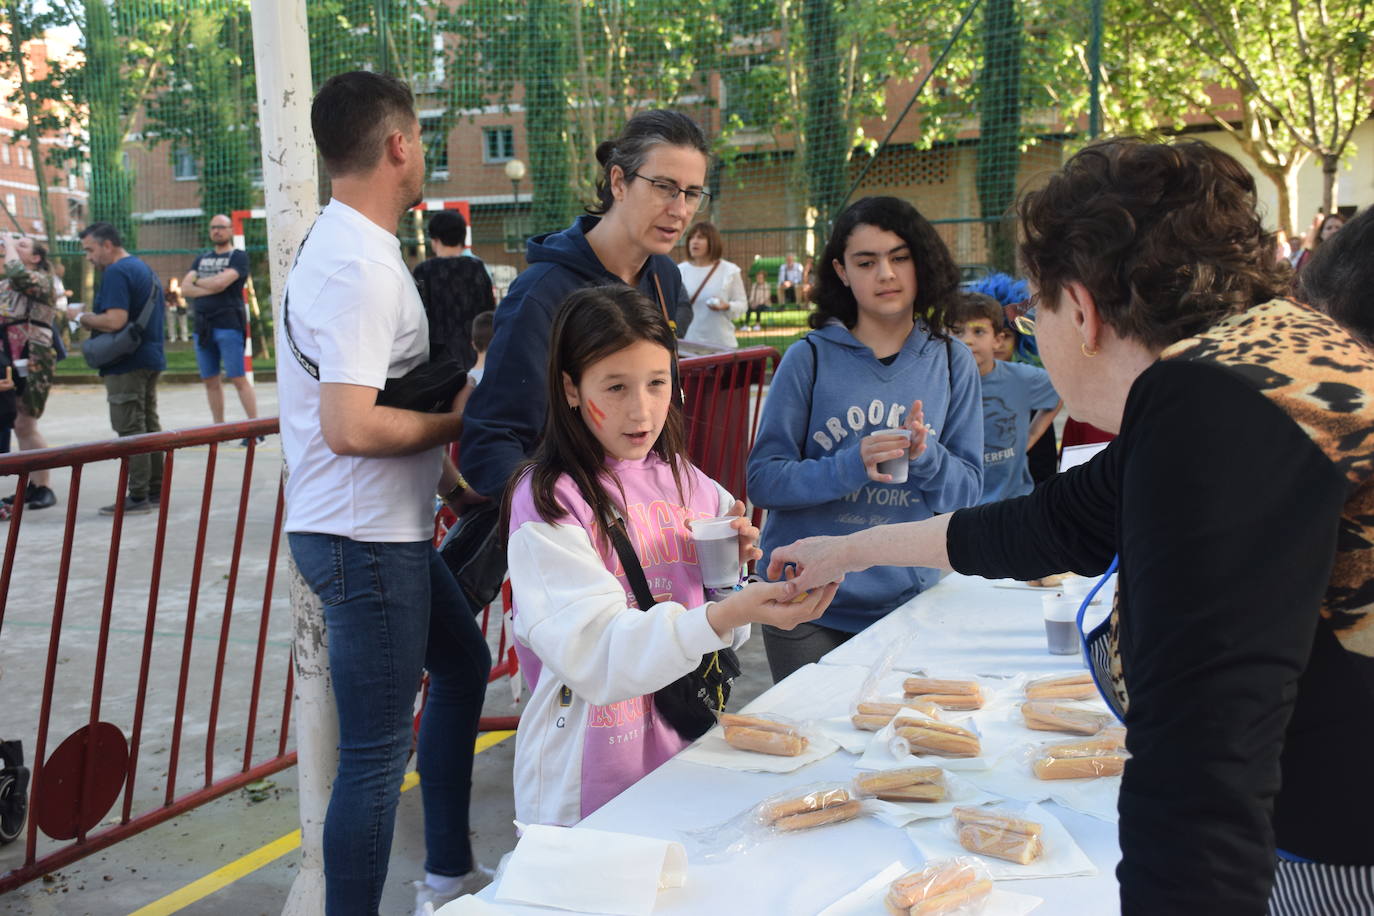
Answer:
x=1011 y=391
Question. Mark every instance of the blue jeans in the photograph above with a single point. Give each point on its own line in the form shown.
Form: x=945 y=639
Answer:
x=392 y=610
x=224 y=345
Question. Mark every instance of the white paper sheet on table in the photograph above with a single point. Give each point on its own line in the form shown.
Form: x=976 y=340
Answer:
x=567 y=868
x=1011 y=777
x=711 y=750
x=878 y=755
x=1062 y=857
x=470 y=906
x=959 y=792
x=867 y=898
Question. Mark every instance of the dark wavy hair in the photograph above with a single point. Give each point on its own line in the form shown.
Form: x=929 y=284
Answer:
x=646 y=130
x=591 y=324
x=937 y=278
x=1340 y=274
x=1163 y=235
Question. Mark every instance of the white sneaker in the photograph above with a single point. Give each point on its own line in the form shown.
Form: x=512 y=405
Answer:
x=428 y=900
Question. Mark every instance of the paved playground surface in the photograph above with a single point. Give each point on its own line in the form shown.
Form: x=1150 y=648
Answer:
x=236 y=855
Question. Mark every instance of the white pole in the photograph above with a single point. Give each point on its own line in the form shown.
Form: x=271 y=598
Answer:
x=281 y=52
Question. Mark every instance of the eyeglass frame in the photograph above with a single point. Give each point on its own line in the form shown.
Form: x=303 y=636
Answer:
x=1024 y=319
x=673 y=189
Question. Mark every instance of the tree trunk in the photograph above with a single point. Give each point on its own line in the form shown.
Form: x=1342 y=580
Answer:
x=999 y=150
x=1330 y=165
x=826 y=139
x=33 y=110
x=110 y=181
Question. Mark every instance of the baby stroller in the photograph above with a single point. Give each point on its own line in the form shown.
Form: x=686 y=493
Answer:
x=14 y=791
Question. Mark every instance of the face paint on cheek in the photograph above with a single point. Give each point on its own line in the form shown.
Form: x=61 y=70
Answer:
x=596 y=413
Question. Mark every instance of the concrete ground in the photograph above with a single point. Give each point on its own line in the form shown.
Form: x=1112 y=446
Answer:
x=234 y=855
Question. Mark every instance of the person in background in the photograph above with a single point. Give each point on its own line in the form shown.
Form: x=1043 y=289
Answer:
x=808 y=282
x=214 y=284
x=481 y=342
x=177 y=330
x=652 y=183
x=789 y=279
x=1322 y=229
x=1340 y=276
x=454 y=287
x=760 y=297
x=1019 y=403
x=360 y=507
x=715 y=289
x=1237 y=503
x=127 y=287
x=880 y=358
x=613 y=449
x=29 y=316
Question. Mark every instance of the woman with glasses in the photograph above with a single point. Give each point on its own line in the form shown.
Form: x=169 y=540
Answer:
x=1238 y=500
x=651 y=185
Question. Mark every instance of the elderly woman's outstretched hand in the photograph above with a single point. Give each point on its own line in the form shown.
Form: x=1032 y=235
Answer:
x=817 y=561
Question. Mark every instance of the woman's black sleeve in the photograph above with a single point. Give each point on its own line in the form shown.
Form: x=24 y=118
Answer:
x=1230 y=515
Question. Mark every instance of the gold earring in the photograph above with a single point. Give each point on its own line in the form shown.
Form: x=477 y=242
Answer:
x=1086 y=352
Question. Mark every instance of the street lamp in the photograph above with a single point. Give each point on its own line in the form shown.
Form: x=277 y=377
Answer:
x=515 y=170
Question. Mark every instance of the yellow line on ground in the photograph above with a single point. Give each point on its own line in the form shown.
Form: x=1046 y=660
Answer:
x=265 y=855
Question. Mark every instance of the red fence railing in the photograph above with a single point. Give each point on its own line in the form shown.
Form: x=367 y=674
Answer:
x=166 y=707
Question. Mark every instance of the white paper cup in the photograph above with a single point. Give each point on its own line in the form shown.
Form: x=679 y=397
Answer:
x=21 y=367
x=1061 y=623
x=899 y=466
x=717 y=551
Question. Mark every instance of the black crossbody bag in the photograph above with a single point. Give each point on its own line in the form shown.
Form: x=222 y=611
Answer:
x=690 y=703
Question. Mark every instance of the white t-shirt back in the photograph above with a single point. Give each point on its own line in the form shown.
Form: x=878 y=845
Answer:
x=355 y=311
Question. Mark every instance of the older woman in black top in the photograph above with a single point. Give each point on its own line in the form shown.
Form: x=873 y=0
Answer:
x=1239 y=497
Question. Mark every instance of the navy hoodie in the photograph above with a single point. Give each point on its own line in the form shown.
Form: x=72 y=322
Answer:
x=806 y=470
x=505 y=416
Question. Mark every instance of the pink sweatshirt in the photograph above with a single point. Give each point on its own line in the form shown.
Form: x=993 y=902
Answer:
x=592 y=658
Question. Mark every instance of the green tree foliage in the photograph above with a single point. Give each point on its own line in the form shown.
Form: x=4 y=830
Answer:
x=999 y=129
x=25 y=24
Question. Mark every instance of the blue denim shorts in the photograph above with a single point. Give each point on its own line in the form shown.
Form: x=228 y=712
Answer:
x=224 y=346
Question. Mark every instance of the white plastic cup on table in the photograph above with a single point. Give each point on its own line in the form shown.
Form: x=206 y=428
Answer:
x=1061 y=623
x=717 y=551
x=1077 y=588
x=899 y=466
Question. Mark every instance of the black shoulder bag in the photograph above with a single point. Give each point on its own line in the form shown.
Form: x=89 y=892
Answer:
x=690 y=703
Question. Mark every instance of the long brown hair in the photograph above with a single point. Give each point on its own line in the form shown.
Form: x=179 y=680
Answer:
x=593 y=323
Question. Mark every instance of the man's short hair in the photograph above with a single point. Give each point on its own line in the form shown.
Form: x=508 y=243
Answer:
x=448 y=227
x=1340 y=274
x=970 y=306
x=482 y=330
x=103 y=232
x=352 y=115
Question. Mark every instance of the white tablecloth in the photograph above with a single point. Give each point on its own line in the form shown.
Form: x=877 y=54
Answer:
x=962 y=625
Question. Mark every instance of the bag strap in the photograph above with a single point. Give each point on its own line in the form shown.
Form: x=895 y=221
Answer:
x=815 y=376
x=146 y=315
x=700 y=286
x=311 y=367
x=630 y=560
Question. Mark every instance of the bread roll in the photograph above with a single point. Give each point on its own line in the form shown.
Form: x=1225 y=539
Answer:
x=922 y=704
x=930 y=882
x=1073 y=687
x=812 y=801
x=1079 y=767
x=919 y=686
x=778 y=744
x=1101 y=743
x=882 y=780
x=834 y=814
x=953 y=901
x=918 y=792
x=982 y=817
x=928 y=741
x=1003 y=844
x=947 y=727
x=730 y=720
x=1043 y=715
x=869 y=723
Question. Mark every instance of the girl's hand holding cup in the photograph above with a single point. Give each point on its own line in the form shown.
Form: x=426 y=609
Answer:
x=748 y=535
x=885 y=454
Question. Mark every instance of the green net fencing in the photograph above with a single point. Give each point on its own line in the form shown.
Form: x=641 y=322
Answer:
x=150 y=117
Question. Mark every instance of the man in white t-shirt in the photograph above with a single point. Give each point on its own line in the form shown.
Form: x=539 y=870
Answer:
x=360 y=504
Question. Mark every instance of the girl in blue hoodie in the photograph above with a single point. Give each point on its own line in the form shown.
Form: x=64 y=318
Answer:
x=879 y=357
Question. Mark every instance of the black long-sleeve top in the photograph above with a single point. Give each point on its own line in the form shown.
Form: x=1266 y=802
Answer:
x=1240 y=497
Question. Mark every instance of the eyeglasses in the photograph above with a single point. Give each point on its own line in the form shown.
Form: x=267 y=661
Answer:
x=225 y=228
x=668 y=191
x=1024 y=322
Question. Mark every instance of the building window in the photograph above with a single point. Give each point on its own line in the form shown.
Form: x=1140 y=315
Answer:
x=71 y=181
x=184 y=164
x=514 y=230
x=498 y=144
x=435 y=139
x=9 y=203
x=5 y=153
